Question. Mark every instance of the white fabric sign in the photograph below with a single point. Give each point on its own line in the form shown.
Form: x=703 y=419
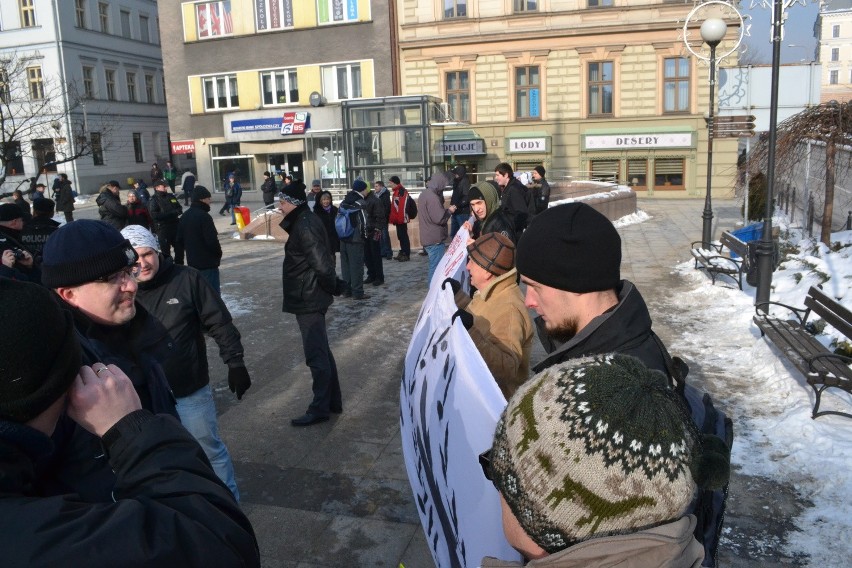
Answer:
x=449 y=406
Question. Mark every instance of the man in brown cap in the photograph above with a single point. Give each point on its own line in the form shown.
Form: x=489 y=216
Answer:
x=496 y=318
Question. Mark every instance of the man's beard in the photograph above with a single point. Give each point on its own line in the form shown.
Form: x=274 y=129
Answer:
x=564 y=331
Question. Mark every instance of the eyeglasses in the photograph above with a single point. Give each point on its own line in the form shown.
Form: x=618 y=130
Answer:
x=485 y=462
x=129 y=272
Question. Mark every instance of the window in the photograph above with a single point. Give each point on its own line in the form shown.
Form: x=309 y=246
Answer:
x=131 y=87
x=835 y=30
x=527 y=92
x=27 y=14
x=89 y=82
x=97 y=149
x=137 y=148
x=637 y=174
x=149 y=88
x=455 y=8
x=103 y=16
x=13 y=159
x=600 y=87
x=668 y=173
x=833 y=77
x=676 y=84
x=525 y=5
x=280 y=87
x=125 y=24
x=214 y=19
x=273 y=14
x=342 y=81
x=337 y=11
x=80 y=13
x=144 y=32
x=44 y=153
x=835 y=54
x=110 y=84
x=604 y=170
x=221 y=92
x=599 y=3
x=36 y=83
x=458 y=95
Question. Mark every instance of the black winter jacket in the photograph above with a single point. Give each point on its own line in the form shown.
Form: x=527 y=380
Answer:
x=377 y=216
x=189 y=308
x=308 y=274
x=12 y=239
x=515 y=200
x=197 y=233
x=64 y=196
x=165 y=210
x=111 y=210
x=498 y=222
x=461 y=187
x=36 y=232
x=360 y=218
x=170 y=509
x=327 y=218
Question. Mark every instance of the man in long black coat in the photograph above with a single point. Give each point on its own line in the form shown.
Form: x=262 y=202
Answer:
x=198 y=237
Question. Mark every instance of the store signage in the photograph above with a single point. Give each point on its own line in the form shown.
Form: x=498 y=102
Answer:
x=463 y=147
x=527 y=144
x=255 y=124
x=627 y=141
x=183 y=147
x=295 y=122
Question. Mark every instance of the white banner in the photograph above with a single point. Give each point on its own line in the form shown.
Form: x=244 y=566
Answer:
x=449 y=406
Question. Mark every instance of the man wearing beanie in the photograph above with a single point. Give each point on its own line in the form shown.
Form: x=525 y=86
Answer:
x=496 y=318
x=352 y=247
x=16 y=260
x=597 y=462
x=490 y=217
x=541 y=195
x=515 y=198
x=109 y=205
x=199 y=239
x=433 y=220
x=309 y=282
x=189 y=309
x=91 y=267
x=169 y=509
x=165 y=210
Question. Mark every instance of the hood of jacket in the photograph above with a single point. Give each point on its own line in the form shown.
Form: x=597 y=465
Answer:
x=459 y=170
x=437 y=183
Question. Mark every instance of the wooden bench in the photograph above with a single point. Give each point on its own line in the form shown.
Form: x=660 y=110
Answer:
x=795 y=337
x=718 y=260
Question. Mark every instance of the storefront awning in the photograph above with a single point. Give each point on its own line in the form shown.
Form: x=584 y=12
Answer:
x=461 y=143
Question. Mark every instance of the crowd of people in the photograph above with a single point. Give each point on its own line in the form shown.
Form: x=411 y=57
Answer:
x=108 y=424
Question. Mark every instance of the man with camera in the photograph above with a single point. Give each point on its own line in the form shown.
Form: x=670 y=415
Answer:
x=16 y=262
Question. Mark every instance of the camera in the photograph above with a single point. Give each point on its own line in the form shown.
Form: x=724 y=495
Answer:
x=18 y=253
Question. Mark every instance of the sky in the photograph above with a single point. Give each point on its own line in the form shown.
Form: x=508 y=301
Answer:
x=798 y=30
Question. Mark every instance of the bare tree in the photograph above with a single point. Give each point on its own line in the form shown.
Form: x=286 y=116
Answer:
x=828 y=123
x=34 y=107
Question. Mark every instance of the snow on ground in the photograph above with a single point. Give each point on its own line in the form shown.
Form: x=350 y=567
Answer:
x=237 y=305
x=768 y=398
x=632 y=219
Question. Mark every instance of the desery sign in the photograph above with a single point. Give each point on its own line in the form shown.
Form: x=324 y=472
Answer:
x=649 y=140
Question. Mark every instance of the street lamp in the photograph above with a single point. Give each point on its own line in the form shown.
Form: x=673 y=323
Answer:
x=807 y=51
x=712 y=32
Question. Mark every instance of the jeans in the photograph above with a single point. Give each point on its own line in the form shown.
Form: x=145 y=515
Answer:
x=435 y=252
x=198 y=415
x=456 y=221
x=319 y=359
x=387 y=251
x=373 y=261
x=212 y=277
x=404 y=241
x=352 y=266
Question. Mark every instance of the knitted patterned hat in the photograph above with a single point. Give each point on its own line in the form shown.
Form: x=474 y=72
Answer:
x=83 y=251
x=293 y=193
x=494 y=252
x=594 y=447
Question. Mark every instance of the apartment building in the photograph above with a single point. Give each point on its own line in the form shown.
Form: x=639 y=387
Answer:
x=834 y=37
x=96 y=66
x=257 y=85
x=585 y=87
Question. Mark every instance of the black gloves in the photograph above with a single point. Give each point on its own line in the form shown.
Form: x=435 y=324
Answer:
x=465 y=317
x=454 y=284
x=238 y=380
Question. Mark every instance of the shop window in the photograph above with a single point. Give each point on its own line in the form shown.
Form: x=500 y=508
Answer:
x=668 y=173
x=227 y=160
x=676 y=84
x=80 y=13
x=455 y=8
x=137 y=148
x=458 y=95
x=280 y=87
x=221 y=92
x=337 y=11
x=103 y=16
x=341 y=82
x=214 y=19
x=600 y=87
x=604 y=170
x=273 y=14
x=36 y=83
x=525 y=5
x=637 y=174
x=527 y=92
x=97 y=148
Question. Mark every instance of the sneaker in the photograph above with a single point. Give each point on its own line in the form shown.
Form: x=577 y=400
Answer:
x=423 y=253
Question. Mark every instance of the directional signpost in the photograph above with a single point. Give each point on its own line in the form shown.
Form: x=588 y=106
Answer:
x=733 y=126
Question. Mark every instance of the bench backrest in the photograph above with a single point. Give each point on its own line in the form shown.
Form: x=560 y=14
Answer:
x=829 y=310
x=734 y=244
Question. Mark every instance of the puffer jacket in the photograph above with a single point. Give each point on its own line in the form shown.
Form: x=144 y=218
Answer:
x=433 y=215
x=502 y=330
x=111 y=210
x=308 y=274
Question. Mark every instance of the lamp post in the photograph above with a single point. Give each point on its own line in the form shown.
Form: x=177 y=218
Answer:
x=800 y=47
x=712 y=32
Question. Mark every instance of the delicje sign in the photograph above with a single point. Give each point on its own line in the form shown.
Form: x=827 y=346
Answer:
x=650 y=140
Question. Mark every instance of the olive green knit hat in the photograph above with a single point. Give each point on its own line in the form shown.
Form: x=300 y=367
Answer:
x=594 y=447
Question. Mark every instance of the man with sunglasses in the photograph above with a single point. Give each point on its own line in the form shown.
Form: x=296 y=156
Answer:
x=91 y=267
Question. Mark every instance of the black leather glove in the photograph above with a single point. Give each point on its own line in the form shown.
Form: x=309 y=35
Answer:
x=465 y=317
x=239 y=380
x=454 y=284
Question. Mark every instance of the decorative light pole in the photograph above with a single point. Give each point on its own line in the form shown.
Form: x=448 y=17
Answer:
x=713 y=30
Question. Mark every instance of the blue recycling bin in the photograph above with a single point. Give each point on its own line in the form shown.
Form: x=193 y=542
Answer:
x=748 y=234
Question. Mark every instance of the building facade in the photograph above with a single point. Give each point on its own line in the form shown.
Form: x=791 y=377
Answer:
x=257 y=85
x=94 y=69
x=600 y=88
x=834 y=37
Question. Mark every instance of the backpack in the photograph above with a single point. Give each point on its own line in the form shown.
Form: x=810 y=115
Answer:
x=709 y=505
x=411 y=208
x=343 y=223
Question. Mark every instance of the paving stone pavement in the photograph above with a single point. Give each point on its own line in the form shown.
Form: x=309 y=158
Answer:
x=336 y=494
